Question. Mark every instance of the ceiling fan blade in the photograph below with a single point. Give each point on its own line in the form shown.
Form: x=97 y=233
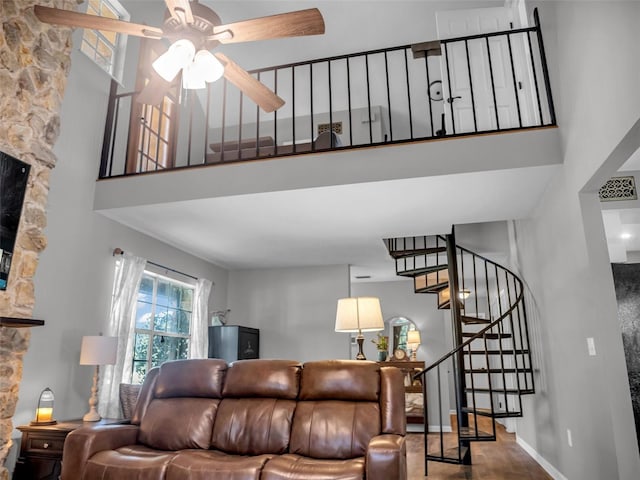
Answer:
x=180 y=10
x=292 y=24
x=256 y=91
x=94 y=22
x=154 y=91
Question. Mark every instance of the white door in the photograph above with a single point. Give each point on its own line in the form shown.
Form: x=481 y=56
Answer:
x=459 y=74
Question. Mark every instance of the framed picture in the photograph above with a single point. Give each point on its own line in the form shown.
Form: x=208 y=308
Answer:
x=248 y=343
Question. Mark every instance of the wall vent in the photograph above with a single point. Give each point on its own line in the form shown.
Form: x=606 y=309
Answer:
x=325 y=127
x=619 y=188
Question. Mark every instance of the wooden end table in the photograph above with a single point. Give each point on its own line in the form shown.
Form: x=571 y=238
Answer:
x=41 y=448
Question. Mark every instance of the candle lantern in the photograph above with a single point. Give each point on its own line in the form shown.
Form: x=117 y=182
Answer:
x=44 y=412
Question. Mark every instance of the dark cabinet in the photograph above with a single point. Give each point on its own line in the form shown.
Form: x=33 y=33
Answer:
x=233 y=342
x=41 y=448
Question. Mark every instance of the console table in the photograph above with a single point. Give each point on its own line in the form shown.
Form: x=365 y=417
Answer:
x=408 y=368
x=41 y=448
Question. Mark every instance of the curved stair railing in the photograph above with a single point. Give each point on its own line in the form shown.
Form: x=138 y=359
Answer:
x=482 y=379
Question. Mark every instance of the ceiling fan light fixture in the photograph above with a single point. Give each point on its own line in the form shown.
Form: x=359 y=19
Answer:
x=206 y=68
x=179 y=55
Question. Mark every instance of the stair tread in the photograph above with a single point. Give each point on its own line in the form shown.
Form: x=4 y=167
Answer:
x=486 y=412
x=508 y=391
x=499 y=370
x=413 y=252
x=471 y=320
x=497 y=352
x=432 y=288
x=419 y=271
x=470 y=433
x=490 y=336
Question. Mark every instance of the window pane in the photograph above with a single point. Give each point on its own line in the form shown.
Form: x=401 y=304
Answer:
x=186 y=299
x=145 y=293
x=184 y=320
x=160 y=320
x=172 y=321
x=176 y=295
x=163 y=293
x=141 y=347
x=139 y=372
x=143 y=315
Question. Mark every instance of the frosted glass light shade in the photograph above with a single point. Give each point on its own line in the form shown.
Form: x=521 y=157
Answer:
x=206 y=68
x=179 y=55
x=360 y=314
x=98 y=350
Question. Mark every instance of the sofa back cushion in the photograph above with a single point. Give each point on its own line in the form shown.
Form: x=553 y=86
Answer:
x=255 y=415
x=182 y=410
x=338 y=411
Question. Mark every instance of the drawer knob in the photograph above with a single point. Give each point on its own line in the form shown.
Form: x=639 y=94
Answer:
x=46 y=445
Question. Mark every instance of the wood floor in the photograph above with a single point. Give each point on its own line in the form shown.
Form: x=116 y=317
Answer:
x=503 y=459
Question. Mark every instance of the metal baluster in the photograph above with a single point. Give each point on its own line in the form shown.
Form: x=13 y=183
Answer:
x=386 y=72
x=406 y=69
x=473 y=102
x=535 y=77
x=513 y=76
x=366 y=62
x=493 y=85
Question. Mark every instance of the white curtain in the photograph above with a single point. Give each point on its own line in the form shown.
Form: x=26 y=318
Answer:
x=129 y=270
x=199 y=320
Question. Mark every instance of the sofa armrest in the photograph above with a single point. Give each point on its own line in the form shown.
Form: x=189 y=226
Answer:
x=387 y=458
x=81 y=444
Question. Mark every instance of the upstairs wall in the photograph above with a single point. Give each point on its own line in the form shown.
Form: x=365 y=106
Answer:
x=563 y=254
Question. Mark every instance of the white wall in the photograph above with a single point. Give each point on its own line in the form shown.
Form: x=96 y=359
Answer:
x=74 y=279
x=563 y=252
x=294 y=308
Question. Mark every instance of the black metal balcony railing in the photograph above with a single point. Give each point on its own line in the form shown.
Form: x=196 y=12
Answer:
x=484 y=83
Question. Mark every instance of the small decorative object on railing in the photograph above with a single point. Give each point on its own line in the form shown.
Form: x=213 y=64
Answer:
x=618 y=189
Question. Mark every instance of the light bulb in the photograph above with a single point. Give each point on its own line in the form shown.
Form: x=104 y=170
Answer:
x=179 y=55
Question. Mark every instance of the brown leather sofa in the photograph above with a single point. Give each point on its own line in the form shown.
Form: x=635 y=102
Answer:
x=254 y=419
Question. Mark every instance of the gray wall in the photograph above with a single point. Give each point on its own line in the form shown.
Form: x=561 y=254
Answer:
x=397 y=299
x=294 y=308
x=73 y=282
x=563 y=255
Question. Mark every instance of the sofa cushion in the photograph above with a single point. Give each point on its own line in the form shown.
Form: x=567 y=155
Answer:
x=212 y=465
x=253 y=426
x=263 y=378
x=178 y=423
x=134 y=462
x=334 y=428
x=287 y=467
x=190 y=378
x=353 y=380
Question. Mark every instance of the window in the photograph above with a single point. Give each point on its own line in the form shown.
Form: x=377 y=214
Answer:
x=163 y=323
x=106 y=48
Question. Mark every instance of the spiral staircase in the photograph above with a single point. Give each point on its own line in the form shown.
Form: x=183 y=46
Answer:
x=482 y=379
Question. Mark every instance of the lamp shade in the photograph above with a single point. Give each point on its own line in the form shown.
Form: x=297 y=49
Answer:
x=98 y=350
x=361 y=314
x=413 y=337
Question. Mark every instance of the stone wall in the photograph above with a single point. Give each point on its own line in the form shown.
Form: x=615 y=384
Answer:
x=34 y=64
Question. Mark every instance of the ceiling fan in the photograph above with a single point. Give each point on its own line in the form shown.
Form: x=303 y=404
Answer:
x=193 y=30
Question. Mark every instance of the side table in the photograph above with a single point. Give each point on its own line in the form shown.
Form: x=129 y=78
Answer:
x=41 y=448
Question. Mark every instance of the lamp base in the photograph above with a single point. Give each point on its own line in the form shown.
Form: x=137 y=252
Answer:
x=360 y=340
x=91 y=416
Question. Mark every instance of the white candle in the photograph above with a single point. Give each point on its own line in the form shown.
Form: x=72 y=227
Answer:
x=44 y=414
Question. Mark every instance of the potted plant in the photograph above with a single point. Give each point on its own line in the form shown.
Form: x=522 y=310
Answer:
x=382 y=344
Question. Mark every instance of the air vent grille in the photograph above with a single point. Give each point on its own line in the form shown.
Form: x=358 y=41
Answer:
x=325 y=127
x=619 y=188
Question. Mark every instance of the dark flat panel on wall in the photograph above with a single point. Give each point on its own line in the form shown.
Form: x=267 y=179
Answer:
x=626 y=278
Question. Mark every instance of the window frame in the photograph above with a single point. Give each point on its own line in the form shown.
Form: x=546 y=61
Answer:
x=152 y=332
x=115 y=68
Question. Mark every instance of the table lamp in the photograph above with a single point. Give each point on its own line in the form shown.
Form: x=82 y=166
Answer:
x=360 y=314
x=97 y=350
x=413 y=341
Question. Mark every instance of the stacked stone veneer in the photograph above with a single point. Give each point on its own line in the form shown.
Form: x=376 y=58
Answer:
x=34 y=64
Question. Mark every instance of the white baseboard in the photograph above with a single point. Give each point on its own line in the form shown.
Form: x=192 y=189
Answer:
x=551 y=470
